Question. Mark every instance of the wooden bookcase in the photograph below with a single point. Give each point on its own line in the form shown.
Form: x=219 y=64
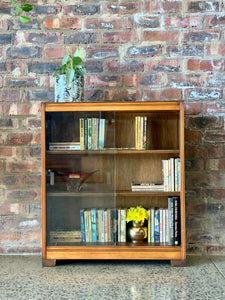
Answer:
x=106 y=175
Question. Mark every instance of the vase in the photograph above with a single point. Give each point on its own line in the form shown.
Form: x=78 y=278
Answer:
x=137 y=232
x=69 y=92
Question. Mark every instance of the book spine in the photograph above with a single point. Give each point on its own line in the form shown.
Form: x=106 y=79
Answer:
x=178 y=174
x=81 y=133
x=93 y=226
x=176 y=221
x=119 y=225
x=92 y=133
x=165 y=175
x=102 y=226
x=175 y=175
x=149 y=225
x=105 y=226
x=123 y=225
x=115 y=225
x=145 y=134
x=171 y=220
x=172 y=174
x=86 y=226
x=101 y=134
x=109 y=225
x=82 y=225
x=85 y=133
x=89 y=133
x=98 y=221
x=152 y=225
x=164 y=225
x=160 y=225
x=157 y=228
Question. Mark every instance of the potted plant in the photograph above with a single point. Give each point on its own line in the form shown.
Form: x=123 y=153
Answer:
x=137 y=215
x=69 y=78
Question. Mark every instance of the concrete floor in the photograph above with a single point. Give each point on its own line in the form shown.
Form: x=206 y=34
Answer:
x=23 y=277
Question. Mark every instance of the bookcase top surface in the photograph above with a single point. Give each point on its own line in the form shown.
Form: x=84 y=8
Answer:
x=114 y=106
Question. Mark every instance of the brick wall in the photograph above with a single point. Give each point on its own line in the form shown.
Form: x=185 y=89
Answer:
x=134 y=50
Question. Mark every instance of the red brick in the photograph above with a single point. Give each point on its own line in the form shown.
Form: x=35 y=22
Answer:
x=142 y=21
x=132 y=66
x=62 y=23
x=162 y=36
x=162 y=94
x=122 y=9
x=194 y=165
x=55 y=52
x=183 y=22
x=205 y=65
x=215 y=136
x=102 y=23
x=102 y=52
x=10 y=236
x=142 y=79
x=192 y=108
x=119 y=37
x=98 y=80
x=193 y=136
x=79 y=9
x=182 y=80
x=22 y=195
x=21 y=82
x=11 y=209
x=25 y=166
x=163 y=7
x=215 y=107
x=22 y=109
x=215 y=164
x=7 y=95
x=13 y=180
x=216 y=49
x=164 y=65
x=5 y=151
x=200 y=36
x=121 y=94
x=19 y=138
x=34 y=237
x=195 y=151
x=218 y=194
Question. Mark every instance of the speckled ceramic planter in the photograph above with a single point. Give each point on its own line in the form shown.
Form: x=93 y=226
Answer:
x=69 y=92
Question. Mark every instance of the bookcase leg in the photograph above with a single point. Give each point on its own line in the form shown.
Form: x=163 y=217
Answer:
x=49 y=262
x=178 y=262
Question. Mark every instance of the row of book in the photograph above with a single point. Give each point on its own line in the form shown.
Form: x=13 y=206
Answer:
x=103 y=225
x=147 y=187
x=140 y=132
x=109 y=225
x=92 y=133
x=164 y=223
x=171 y=174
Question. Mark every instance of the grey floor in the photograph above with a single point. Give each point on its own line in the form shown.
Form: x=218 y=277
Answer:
x=23 y=277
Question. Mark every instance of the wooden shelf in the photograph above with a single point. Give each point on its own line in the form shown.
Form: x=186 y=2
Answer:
x=113 y=152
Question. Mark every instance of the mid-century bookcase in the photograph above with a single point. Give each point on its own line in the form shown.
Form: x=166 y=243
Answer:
x=78 y=177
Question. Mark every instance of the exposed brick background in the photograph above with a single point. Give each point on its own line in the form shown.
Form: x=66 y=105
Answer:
x=134 y=50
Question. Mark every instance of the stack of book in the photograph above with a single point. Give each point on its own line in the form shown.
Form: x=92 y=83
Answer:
x=65 y=236
x=64 y=146
x=103 y=225
x=92 y=133
x=146 y=186
x=171 y=174
x=140 y=132
x=164 y=223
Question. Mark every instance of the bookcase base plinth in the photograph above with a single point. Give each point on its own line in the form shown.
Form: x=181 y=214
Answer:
x=178 y=262
x=49 y=262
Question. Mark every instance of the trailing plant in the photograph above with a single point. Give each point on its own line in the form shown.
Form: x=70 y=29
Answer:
x=23 y=7
x=71 y=66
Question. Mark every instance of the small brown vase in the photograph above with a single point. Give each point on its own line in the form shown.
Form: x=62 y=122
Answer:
x=137 y=232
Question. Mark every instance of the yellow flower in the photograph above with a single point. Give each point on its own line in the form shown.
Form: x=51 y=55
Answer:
x=136 y=214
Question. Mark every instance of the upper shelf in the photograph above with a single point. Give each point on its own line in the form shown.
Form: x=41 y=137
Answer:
x=115 y=151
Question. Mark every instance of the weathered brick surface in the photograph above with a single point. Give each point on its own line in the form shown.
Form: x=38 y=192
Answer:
x=133 y=51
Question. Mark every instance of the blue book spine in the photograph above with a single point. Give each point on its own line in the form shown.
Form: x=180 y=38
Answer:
x=152 y=239
x=157 y=228
x=171 y=220
x=94 y=226
x=82 y=225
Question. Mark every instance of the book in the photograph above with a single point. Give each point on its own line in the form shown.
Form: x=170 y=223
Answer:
x=152 y=225
x=89 y=133
x=93 y=225
x=157 y=226
x=176 y=221
x=165 y=175
x=64 y=146
x=101 y=140
x=123 y=225
x=81 y=133
x=149 y=225
x=171 y=221
x=86 y=226
x=82 y=225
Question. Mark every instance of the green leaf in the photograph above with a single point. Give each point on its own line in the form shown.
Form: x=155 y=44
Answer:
x=27 y=7
x=24 y=19
x=17 y=9
x=12 y=1
x=70 y=75
x=77 y=62
x=68 y=52
x=77 y=53
x=65 y=59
